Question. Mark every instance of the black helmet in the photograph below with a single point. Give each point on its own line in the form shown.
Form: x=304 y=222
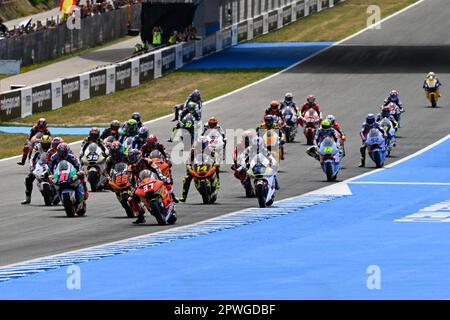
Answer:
x=115 y=126
x=136 y=116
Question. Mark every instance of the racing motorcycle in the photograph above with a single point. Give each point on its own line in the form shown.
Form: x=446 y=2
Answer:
x=241 y=173
x=330 y=158
x=273 y=143
x=157 y=199
x=70 y=189
x=93 y=161
x=291 y=123
x=188 y=123
x=127 y=144
x=44 y=183
x=216 y=143
x=431 y=91
x=376 y=147
x=263 y=172
x=205 y=177
x=311 y=122
x=396 y=112
x=119 y=183
x=388 y=127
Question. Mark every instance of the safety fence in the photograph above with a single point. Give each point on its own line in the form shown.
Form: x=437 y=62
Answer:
x=53 y=42
x=55 y=94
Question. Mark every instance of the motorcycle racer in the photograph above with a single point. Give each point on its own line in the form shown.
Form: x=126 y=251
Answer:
x=40 y=127
x=369 y=124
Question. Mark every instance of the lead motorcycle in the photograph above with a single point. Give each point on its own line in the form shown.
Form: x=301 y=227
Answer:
x=46 y=187
x=376 y=147
x=70 y=189
x=94 y=165
x=157 y=199
x=330 y=158
x=263 y=171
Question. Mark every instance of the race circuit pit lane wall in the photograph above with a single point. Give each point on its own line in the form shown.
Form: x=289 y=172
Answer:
x=322 y=245
x=23 y=102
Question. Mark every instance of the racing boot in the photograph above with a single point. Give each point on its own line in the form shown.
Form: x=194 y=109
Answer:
x=27 y=198
x=141 y=218
x=186 y=185
x=362 y=150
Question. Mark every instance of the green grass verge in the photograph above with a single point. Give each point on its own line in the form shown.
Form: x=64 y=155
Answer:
x=337 y=23
x=152 y=99
x=11 y=144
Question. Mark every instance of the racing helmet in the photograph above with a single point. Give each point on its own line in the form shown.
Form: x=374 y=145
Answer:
x=311 y=99
x=331 y=118
x=63 y=150
x=94 y=134
x=269 y=120
x=431 y=75
x=326 y=124
x=195 y=95
x=143 y=132
x=213 y=122
x=386 y=111
x=115 y=149
x=134 y=155
x=145 y=174
x=393 y=94
x=288 y=97
x=115 y=126
x=56 y=141
x=151 y=140
x=274 y=105
x=46 y=142
x=370 y=118
x=136 y=116
x=41 y=124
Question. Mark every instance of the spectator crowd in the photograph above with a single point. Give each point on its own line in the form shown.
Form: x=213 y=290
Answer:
x=87 y=8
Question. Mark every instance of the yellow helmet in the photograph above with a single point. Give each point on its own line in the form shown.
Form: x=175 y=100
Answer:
x=46 y=142
x=326 y=124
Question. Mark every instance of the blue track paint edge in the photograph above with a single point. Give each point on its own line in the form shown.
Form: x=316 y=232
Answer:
x=232 y=220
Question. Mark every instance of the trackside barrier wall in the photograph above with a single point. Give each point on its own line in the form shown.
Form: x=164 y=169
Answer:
x=57 y=93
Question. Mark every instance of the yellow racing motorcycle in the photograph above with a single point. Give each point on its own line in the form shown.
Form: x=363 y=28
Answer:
x=432 y=91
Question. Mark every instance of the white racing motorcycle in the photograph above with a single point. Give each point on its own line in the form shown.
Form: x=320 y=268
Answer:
x=290 y=118
x=93 y=161
x=263 y=172
x=216 y=143
x=45 y=186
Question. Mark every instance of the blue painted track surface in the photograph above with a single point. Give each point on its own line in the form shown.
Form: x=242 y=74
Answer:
x=259 y=55
x=53 y=130
x=318 y=252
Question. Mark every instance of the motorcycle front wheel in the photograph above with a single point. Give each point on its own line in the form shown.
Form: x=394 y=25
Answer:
x=261 y=194
x=68 y=205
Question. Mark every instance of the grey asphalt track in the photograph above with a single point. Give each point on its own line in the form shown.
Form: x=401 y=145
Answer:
x=32 y=231
x=84 y=62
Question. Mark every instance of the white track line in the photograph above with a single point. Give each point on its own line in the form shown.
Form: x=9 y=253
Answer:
x=402 y=183
x=279 y=72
